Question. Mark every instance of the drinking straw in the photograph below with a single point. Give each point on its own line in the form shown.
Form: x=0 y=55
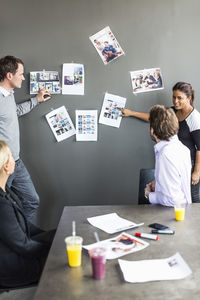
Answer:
x=73 y=228
x=96 y=236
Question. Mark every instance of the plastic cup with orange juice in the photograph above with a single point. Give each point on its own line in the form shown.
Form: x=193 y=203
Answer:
x=179 y=209
x=74 y=250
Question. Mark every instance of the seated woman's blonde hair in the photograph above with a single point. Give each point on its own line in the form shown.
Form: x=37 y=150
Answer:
x=4 y=154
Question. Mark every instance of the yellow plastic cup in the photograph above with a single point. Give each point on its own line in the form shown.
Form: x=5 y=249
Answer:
x=179 y=209
x=74 y=250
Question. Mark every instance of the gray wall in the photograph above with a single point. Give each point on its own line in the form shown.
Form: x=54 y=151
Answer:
x=48 y=33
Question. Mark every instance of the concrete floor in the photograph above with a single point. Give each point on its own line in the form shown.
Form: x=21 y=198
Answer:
x=21 y=294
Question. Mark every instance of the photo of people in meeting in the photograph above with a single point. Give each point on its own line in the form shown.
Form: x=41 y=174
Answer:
x=106 y=45
x=146 y=80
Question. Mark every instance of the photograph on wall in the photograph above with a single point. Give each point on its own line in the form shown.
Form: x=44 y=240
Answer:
x=60 y=123
x=110 y=114
x=106 y=45
x=44 y=79
x=86 y=125
x=73 y=79
x=146 y=80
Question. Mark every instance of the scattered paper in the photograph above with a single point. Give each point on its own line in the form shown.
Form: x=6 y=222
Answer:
x=106 y=45
x=86 y=125
x=44 y=79
x=73 y=79
x=170 y=268
x=120 y=245
x=146 y=80
x=112 y=223
x=60 y=123
x=110 y=114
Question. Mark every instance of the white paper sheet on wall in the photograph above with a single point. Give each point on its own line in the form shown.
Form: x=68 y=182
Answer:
x=146 y=80
x=60 y=123
x=106 y=45
x=86 y=125
x=73 y=79
x=48 y=80
x=110 y=114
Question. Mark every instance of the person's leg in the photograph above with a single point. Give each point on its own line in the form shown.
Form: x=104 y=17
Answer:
x=20 y=271
x=21 y=183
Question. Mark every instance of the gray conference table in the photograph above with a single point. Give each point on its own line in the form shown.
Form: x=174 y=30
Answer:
x=60 y=282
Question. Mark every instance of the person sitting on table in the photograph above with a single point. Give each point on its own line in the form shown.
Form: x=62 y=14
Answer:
x=173 y=163
x=23 y=246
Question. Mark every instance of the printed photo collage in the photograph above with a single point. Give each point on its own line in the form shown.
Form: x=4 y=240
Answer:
x=86 y=124
x=73 y=81
x=44 y=79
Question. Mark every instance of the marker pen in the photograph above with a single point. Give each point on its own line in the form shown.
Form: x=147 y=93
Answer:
x=165 y=231
x=147 y=236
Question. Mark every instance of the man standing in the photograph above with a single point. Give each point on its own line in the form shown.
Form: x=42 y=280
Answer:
x=173 y=162
x=11 y=77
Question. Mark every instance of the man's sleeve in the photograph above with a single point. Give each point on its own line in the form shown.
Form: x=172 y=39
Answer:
x=25 y=107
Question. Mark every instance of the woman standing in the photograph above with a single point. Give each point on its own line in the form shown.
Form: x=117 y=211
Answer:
x=189 y=128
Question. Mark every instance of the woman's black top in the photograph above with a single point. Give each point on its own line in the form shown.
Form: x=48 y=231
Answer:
x=189 y=132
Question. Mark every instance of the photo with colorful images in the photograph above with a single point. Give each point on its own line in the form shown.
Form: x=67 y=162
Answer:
x=45 y=79
x=106 y=45
x=120 y=245
x=146 y=80
x=110 y=112
x=86 y=125
x=60 y=123
x=76 y=78
x=73 y=79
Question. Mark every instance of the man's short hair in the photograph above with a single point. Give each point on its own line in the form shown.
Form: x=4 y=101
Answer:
x=9 y=64
x=163 y=121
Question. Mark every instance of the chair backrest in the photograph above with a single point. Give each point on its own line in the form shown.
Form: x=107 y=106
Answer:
x=146 y=176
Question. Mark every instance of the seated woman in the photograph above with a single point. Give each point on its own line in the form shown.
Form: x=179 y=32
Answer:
x=23 y=246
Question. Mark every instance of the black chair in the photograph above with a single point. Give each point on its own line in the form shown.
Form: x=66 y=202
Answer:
x=146 y=176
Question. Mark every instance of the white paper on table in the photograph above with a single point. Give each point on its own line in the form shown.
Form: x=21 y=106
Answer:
x=86 y=125
x=170 y=268
x=73 y=79
x=110 y=114
x=60 y=123
x=120 y=245
x=112 y=223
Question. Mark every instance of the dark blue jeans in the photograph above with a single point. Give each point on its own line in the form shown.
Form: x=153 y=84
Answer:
x=21 y=183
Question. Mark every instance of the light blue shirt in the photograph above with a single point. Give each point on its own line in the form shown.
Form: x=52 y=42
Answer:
x=9 y=113
x=172 y=173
